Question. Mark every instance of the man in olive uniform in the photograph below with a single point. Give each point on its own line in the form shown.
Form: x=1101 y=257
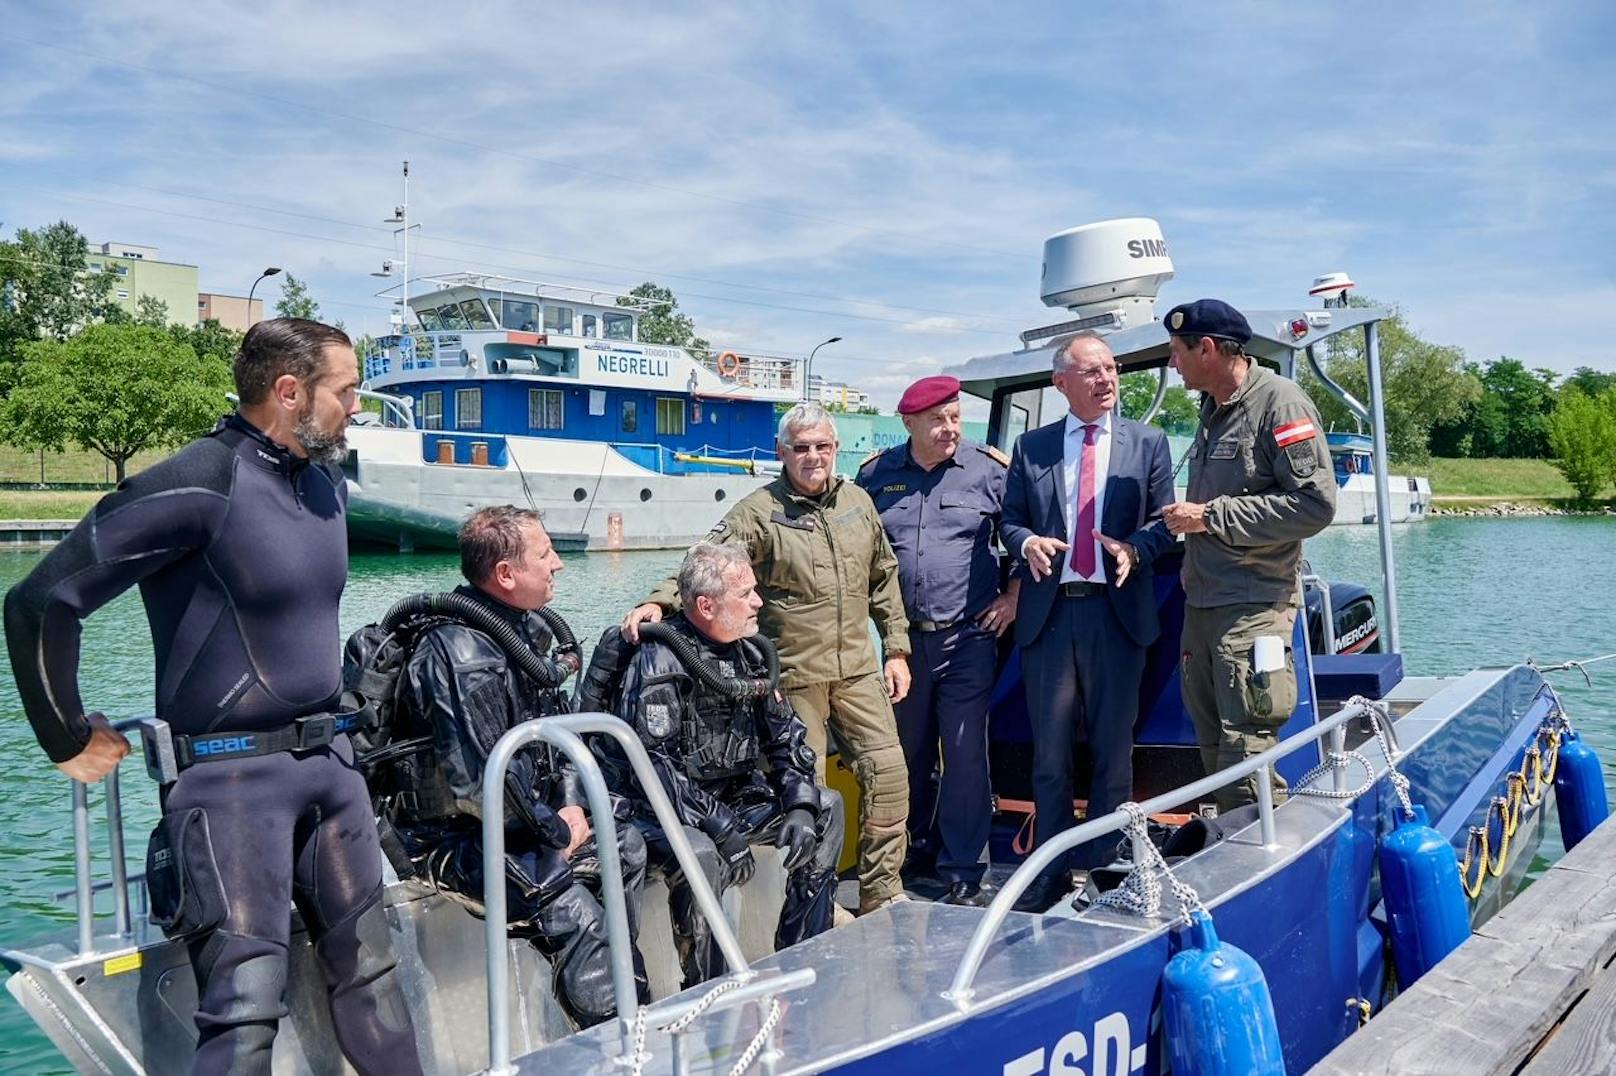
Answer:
x=824 y=569
x=1260 y=482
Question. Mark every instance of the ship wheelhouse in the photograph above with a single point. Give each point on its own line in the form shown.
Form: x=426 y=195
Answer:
x=494 y=357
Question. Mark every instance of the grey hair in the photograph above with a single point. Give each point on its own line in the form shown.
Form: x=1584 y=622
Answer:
x=702 y=573
x=1063 y=350
x=803 y=416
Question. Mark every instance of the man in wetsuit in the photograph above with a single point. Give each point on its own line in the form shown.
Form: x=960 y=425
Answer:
x=711 y=751
x=240 y=550
x=462 y=689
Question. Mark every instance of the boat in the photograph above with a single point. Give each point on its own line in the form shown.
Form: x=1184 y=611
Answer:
x=926 y=988
x=503 y=390
x=1352 y=455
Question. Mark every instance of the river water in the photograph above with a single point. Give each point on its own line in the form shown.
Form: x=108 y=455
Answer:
x=1472 y=592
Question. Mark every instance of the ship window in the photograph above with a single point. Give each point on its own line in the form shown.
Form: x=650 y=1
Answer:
x=519 y=315
x=558 y=319
x=544 y=409
x=432 y=410
x=619 y=326
x=429 y=320
x=451 y=317
x=476 y=314
x=670 y=416
x=631 y=416
x=468 y=409
x=589 y=325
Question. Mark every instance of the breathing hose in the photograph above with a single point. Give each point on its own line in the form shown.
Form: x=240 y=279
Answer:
x=546 y=672
x=731 y=687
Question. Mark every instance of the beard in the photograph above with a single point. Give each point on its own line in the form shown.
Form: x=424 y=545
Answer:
x=323 y=446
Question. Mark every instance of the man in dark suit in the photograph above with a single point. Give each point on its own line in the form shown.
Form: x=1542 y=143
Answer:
x=1083 y=506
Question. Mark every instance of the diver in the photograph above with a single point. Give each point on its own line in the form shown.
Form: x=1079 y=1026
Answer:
x=240 y=549
x=702 y=692
x=473 y=672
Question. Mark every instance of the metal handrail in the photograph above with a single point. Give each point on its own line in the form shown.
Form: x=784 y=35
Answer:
x=563 y=731
x=84 y=887
x=960 y=990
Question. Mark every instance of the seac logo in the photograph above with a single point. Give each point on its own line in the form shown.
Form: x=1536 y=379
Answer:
x=1147 y=248
x=1109 y=1051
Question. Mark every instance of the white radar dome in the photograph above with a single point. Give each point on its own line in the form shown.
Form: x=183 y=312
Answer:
x=1114 y=265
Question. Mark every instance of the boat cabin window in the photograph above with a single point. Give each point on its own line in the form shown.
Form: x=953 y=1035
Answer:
x=468 y=409
x=588 y=325
x=544 y=409
x=449 y=317
x=432 y=410
x=558 y=319
x=670 y=416
x=476 y=314
x=429 y=320
x=619 y=326
x=631 y=416
x=518 y=314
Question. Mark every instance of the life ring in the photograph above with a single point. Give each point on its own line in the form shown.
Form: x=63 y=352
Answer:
x=729 y=364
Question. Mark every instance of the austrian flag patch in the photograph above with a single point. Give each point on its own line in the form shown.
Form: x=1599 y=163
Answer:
x=1290 y=433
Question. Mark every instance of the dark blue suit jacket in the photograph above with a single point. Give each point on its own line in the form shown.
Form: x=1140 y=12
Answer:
x=1138 y=486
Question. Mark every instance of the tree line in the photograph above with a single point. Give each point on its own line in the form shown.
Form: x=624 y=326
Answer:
x=78 y=369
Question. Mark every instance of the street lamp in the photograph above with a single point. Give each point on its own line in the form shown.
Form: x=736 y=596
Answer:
x=271 y=271
x=807 y=367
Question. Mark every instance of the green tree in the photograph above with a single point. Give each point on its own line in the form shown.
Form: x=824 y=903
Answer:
x=663 y=324
x=1590 y=382
x=152 y=311
x=47 y=289
x=1178 y=413
x=1581 y=432
x=114 y=389
x=295 y=300
x=1426 y=384
x=209 y=340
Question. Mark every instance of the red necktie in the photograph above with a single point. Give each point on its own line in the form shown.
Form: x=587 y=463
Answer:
x=1083 y=534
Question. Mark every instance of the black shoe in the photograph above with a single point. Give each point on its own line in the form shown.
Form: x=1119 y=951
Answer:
x=966 y=894
x=1039 y=897
x=919 y=866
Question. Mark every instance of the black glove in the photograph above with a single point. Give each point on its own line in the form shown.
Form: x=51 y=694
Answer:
x=797 y=838
x=551 y=827
x=737 y=857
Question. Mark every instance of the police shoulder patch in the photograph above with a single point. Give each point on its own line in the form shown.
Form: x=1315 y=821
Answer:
x=659 y=719
x=995 y=455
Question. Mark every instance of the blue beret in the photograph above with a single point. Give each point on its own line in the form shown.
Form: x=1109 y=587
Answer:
x=1209 y=317
x=927 y=393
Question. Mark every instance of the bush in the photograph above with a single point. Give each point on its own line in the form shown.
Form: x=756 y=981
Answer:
x=1582 y=435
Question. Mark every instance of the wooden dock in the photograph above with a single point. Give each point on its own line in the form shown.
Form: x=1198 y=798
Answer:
x=1531 y=992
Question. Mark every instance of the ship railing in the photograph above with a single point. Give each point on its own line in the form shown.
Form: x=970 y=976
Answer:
x=85 y=887
x=962 y=991
x=564 y=732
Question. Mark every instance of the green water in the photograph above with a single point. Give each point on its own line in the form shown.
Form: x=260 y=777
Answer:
x=1472 y=592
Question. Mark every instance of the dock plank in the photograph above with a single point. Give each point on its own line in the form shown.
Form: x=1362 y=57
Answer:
x=1492 y=1002
x=1586 y=1042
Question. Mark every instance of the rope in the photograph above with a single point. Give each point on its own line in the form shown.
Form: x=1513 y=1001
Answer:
x=1141 y=891
x=1380 y=719
x=642 y=1023
x=1512 y=807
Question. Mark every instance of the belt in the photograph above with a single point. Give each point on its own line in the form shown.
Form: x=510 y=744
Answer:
x=1081 y=589
x=937 y=625
x=304 y=734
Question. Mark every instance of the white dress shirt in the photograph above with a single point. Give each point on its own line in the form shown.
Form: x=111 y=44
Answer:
x=1071 y=471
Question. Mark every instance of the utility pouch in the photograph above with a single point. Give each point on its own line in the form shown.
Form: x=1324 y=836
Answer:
x=182 y=877
x=1270 y=697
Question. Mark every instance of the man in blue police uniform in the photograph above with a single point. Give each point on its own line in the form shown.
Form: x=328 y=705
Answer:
x=939 y=497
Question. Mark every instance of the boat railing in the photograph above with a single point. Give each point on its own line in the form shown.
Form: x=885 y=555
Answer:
x=84 y=885
x=961 y=991
x=564 y=732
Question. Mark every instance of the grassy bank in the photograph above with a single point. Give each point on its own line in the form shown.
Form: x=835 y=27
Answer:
x=1537 y=480
x=74 y=465
x=45 y=504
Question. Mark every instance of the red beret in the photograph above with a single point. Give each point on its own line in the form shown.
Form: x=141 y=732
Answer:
x=928 y=392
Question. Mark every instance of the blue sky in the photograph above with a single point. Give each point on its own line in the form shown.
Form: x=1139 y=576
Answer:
x=886 y=173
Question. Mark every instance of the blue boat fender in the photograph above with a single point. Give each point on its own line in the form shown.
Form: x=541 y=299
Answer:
x=1218 y=1012
x=1579 y=790
x=1425 y=901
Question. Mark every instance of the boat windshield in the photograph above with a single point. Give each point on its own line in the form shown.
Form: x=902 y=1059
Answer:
x=518 y=314
x=476 y=314
x=618 y=326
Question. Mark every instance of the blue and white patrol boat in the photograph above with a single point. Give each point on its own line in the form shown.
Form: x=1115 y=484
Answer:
x=506 y=391
x=1353 y=457
x=1309 y=888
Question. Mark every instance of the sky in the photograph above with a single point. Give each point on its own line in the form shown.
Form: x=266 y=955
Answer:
x=886 y=173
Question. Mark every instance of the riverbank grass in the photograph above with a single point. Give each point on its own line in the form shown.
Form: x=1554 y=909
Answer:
x=46 y=503
x=1516 y=480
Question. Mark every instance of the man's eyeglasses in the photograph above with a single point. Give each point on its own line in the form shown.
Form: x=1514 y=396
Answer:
x=818 y=448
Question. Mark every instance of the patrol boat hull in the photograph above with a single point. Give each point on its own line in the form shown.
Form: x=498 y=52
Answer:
x=1054 y=992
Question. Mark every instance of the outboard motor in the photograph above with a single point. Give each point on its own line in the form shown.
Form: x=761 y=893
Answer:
x=1352 y=615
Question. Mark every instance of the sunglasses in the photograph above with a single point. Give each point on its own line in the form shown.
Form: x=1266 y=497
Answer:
x=818 y=448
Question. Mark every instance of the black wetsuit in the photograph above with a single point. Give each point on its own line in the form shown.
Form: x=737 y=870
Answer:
x=241 y=554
